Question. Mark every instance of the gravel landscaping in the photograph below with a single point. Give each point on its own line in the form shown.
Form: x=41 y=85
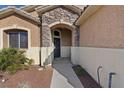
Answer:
x=32 y=78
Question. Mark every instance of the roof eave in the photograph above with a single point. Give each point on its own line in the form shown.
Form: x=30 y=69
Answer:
x=27 y=15
x=44 y=9
x=29 y=8
x=12 y=10
x=90 y=10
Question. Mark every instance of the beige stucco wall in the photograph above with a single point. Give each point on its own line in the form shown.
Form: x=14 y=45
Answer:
x=66 y=51
x=66 y=37
x=66 y=42
x=105 y=28
x=5 y=40
x=16 y=20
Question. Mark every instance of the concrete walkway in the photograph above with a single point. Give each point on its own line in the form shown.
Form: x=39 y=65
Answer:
x=64 y=76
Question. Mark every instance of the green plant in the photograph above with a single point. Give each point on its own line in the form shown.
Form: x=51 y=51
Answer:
x=12 y=60
x=79 y=70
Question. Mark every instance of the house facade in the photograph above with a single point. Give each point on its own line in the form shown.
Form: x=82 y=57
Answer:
x=44 y=32
x=92 y=36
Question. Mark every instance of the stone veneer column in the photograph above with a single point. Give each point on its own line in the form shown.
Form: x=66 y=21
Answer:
x=46 y=35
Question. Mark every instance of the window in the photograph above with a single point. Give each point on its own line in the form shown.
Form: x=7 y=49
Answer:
x=56 y=33
x=18 y=39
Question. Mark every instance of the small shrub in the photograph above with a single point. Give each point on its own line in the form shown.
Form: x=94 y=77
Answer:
x=12 y=60
x=79 y=70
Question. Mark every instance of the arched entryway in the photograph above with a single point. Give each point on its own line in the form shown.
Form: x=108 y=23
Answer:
x=62 y=40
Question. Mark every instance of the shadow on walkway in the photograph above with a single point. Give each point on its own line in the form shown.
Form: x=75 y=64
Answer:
x=64 y=67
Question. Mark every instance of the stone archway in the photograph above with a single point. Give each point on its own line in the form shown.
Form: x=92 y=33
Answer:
x=60 y=20
x=59 y=15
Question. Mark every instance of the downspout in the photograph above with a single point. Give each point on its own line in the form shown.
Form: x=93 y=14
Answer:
x=40 y=41
x=98 y=74
x=110 y=79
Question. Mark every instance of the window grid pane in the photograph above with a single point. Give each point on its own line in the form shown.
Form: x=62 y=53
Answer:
x=13 y=40
x=56 y=33
x=18 y=39
x=23 y=40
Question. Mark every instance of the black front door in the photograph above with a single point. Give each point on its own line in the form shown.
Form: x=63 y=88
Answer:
x=57 y=47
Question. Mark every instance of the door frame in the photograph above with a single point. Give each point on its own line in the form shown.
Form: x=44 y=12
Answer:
x=57 y=37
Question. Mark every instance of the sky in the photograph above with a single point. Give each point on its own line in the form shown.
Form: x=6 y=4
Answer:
x=3 y=6
x=18 y=6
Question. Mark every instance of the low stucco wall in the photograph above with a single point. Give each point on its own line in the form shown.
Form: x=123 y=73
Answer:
x=47 y=55
x=65 y=51
x=75 y=55
x=111 y=60
x=33 y=53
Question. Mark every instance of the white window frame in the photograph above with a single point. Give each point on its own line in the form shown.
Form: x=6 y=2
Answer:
x=57 y=31
x=58 y=36
x=14 y=26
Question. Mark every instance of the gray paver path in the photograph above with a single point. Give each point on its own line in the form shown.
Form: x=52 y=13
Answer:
x=63 y=75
